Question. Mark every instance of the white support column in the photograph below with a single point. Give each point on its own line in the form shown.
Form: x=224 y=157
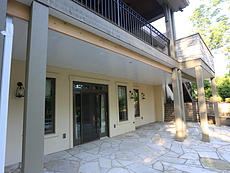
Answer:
x=182 y=105
x=216 y=109
x=177 y=106
x=202 y=104
x=34 y=106
x=5 y=84
x=3 y=117
x=170 y=29
x=173 y=26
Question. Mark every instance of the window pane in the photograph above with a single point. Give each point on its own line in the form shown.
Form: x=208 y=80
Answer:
x=81 y=86
x=48 y=88
x=77 y=122
x=103 y=113
x=49 y=105
x=136 y=103
x=122 y=102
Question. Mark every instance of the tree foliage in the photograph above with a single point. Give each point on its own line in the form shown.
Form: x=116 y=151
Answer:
x=207 y=89
x=212 y=20
x=223 y=86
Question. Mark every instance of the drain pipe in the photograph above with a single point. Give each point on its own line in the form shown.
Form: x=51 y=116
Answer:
x=5 y=84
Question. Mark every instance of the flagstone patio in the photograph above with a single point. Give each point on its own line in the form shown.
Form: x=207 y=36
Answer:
x=151 y=148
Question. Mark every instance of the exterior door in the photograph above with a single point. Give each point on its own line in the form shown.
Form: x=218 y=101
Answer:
x=90 y=115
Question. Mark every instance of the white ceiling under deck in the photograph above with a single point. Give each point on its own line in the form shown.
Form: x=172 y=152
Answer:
x=70 y=53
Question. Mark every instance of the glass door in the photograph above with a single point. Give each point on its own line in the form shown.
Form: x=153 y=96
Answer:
x=90 y=118
x=103 y=114
x=90 y=121
x=77 y=118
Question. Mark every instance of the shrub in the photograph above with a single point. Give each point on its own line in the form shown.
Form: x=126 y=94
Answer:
x=227 y=100
x=219 y=99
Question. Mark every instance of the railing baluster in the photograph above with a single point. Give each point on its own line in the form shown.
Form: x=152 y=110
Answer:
x=115 y=12
x=109 y=9
x=131 y=21
x=98 y=6
x=126 y=18
x=118 y=13
x=151 y=41
x=100 y=9
x=106 y=9
x=112 y=14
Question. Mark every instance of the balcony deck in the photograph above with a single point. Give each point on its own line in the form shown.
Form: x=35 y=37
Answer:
x=193 y=47
x=123 y=16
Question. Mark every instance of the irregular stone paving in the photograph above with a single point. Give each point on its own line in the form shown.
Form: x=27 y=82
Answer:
x=149 y=149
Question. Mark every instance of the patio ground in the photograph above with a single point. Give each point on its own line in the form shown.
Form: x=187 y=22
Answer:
x=151 y=148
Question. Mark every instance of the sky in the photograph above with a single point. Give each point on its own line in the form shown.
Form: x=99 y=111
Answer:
x=183 y=29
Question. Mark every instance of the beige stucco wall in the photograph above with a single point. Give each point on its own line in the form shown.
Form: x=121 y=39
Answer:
x=15 y=115
x=63 y=113
x=147 y=107
x=159 y=102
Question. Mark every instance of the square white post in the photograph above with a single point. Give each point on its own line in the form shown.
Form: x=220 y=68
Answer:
x=202 y=104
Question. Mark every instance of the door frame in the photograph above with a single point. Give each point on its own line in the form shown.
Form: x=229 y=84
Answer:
x=81 y=92
x=86 y=79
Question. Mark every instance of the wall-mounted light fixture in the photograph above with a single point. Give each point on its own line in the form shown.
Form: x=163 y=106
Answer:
x=20 y=90
x=131 y=94
x=143 y=96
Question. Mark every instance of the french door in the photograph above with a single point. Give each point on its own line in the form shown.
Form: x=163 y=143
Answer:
x=90 y=115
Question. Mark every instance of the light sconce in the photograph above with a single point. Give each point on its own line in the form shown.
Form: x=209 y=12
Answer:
x=20 y=90
x=143 y=96
x=131 y=94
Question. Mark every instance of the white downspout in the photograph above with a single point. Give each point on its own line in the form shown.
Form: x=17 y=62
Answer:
x=5 y=84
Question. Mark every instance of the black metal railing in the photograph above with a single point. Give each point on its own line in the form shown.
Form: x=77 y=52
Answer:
x=119 y=13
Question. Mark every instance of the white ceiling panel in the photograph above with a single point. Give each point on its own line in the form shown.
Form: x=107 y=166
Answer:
x=70 y=53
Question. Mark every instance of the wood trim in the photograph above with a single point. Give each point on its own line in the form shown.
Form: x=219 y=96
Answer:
x=188 y=77
x=21 y=11
x=189 y=64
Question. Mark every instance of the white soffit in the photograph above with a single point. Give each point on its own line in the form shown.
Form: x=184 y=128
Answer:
x=70 y=53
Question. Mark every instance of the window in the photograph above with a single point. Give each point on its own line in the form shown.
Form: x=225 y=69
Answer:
x=136 y=102
x=49 y=105
x=122 y=102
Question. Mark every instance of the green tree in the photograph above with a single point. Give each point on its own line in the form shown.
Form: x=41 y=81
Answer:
x=207 y=89
x=223 y=86
x=212 y=20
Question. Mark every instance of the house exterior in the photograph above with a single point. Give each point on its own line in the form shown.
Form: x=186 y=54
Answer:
x=90 y=69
